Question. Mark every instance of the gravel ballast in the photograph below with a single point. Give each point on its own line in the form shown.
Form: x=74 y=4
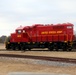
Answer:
x=33 y=61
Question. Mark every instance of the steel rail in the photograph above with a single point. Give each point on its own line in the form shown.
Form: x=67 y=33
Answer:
x=59 y=59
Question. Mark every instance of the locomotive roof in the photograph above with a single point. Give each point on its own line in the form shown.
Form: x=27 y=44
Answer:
x=40 y=25
x=63 y=24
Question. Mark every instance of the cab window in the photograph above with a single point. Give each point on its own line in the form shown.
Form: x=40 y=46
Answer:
x=19 y=31
x=69 y=27
x=24 y=31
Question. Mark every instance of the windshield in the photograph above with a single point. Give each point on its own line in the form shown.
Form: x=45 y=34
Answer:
x=19 y=31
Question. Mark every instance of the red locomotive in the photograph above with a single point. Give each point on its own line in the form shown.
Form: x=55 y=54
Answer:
x=59 y=36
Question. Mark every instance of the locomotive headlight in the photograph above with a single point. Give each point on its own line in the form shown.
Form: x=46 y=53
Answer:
x=8 y=42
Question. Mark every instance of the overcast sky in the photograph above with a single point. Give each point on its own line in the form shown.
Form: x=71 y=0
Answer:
x=14 y=13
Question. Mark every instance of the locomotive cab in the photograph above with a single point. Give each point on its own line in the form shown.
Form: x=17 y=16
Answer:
x=16 y=39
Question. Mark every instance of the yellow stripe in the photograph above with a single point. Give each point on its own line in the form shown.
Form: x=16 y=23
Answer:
x=41 y=42
x=28 y=42
x=33 y=42
x=18 y=42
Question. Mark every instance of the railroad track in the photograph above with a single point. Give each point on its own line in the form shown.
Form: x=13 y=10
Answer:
x=57 y=59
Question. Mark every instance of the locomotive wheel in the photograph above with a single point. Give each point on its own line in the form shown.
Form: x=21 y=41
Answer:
x=19 y=48
x=56 y=49
x=29 y=49
x=64 y=49
x=23 y=48
x=70 y=49
x=50 y=48
x=13 y=47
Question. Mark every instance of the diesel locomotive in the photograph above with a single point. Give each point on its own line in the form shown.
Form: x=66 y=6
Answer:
x=51 y=36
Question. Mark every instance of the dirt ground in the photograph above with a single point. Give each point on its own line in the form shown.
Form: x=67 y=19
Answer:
x=7 y=67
